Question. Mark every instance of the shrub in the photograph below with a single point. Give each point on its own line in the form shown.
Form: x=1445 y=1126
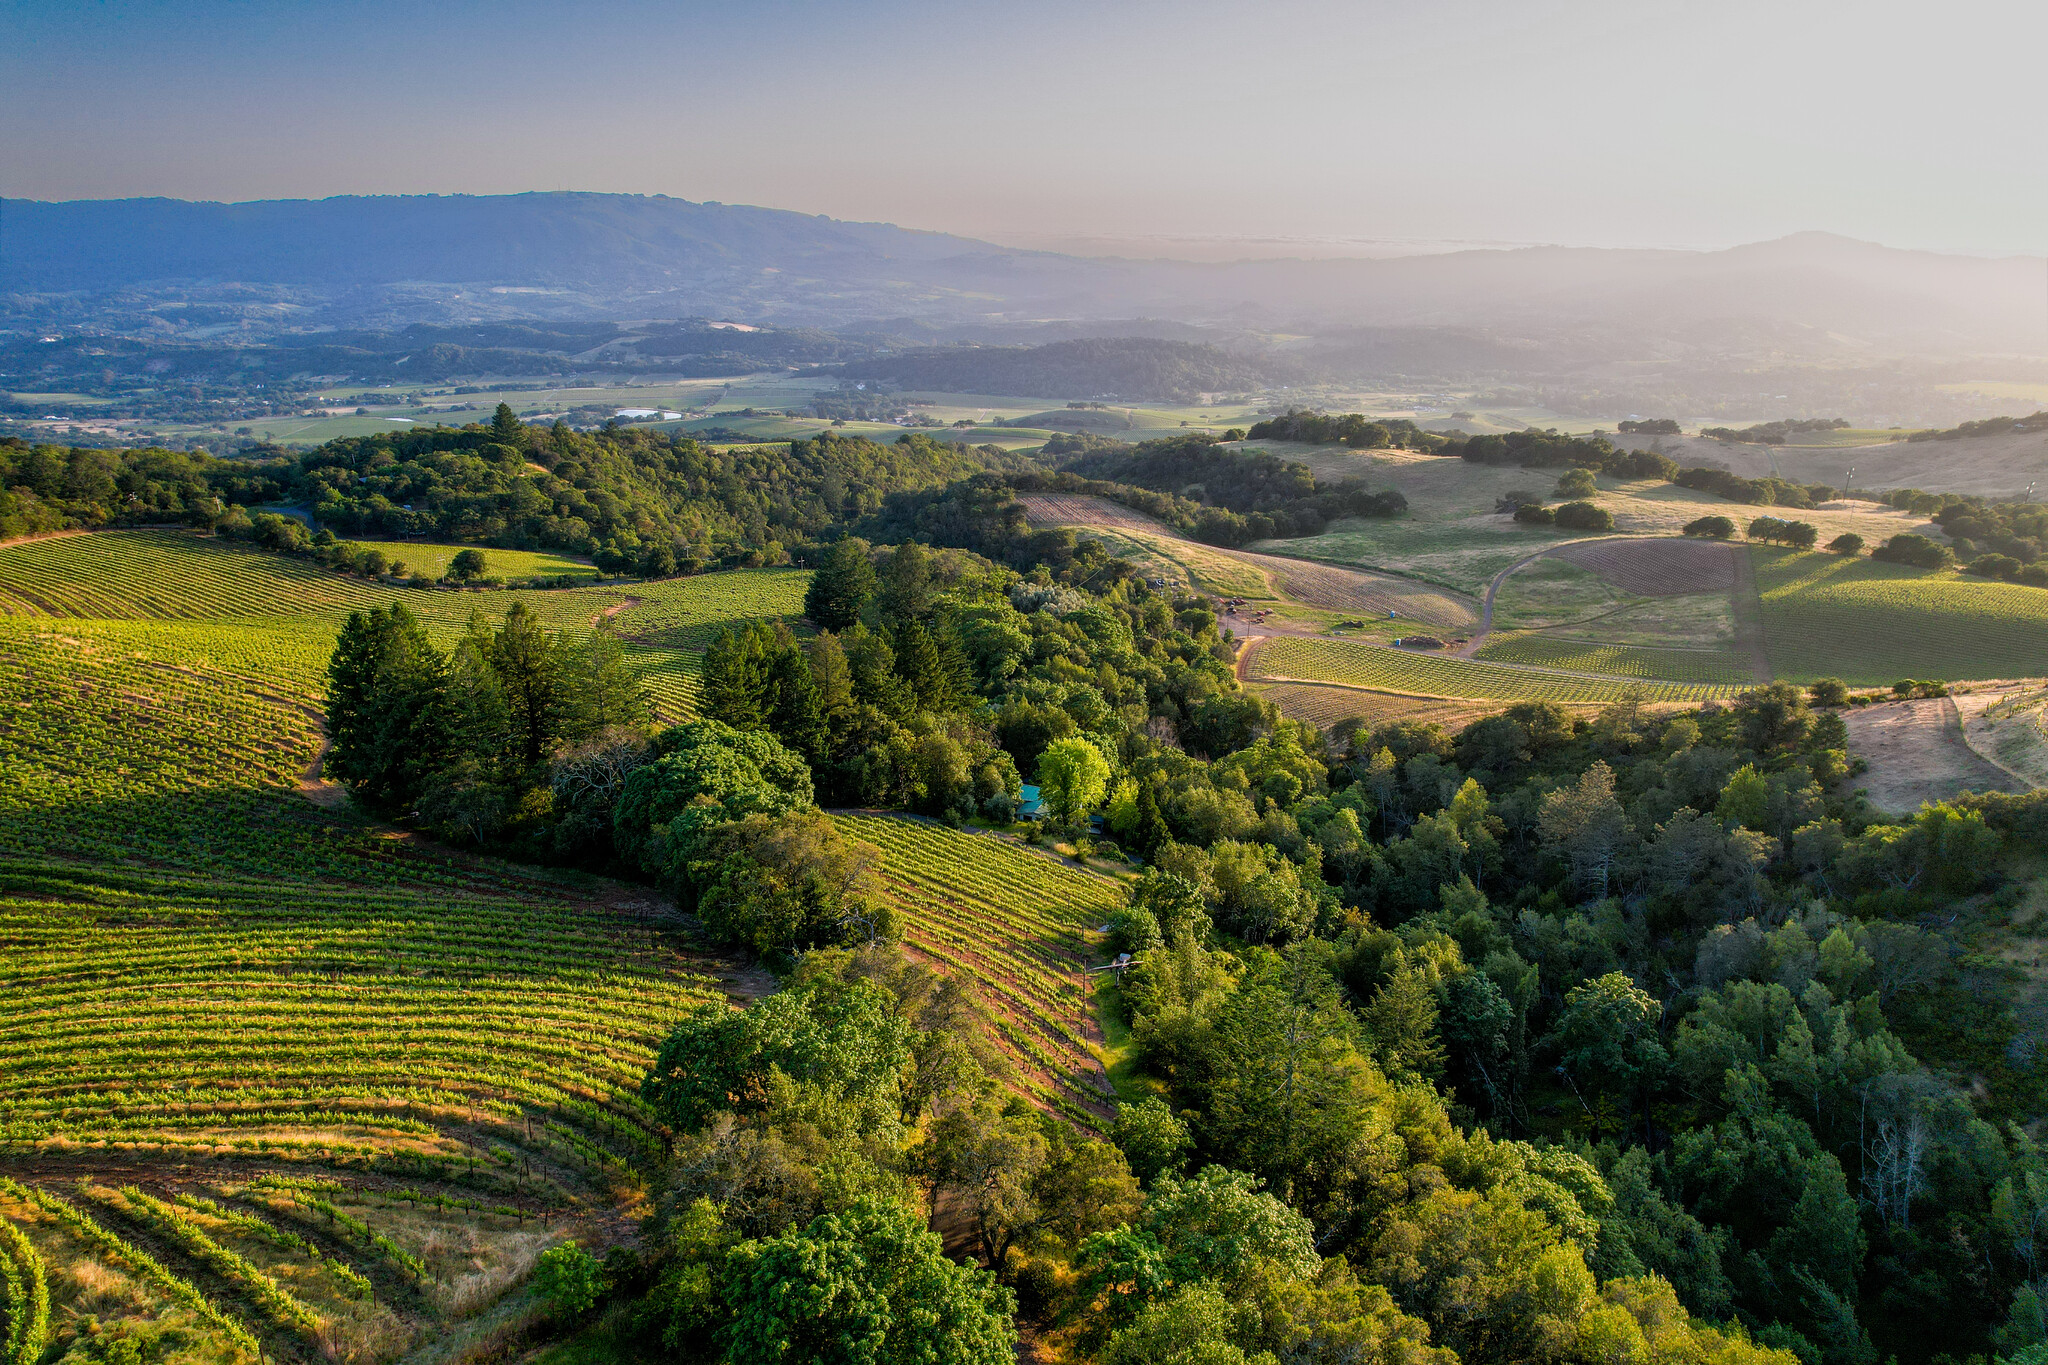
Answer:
x=1584 y=516
x=1848 y=543
x=1994 y=566
x=1715 y=528
x=1829 y=692
x=1533 y=514
x=569 y=1279
x=1576 y=483
x=1908 y=547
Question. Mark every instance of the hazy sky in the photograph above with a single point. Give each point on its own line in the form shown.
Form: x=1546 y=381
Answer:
x=1581 y=121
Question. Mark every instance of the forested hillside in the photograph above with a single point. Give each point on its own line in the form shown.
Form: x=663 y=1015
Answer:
x=620 y=495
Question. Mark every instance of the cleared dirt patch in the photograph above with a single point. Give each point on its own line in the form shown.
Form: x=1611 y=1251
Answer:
x=1369 y=594
x=1326 y=706
x=1078 y=509
x=1658 y=568
x=1916 y=754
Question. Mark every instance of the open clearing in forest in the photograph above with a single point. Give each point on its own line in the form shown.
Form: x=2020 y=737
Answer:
x=1682 y=610
x=1018 y=927
x=1325 y=588
x=1916 y=754
x=1327 y=706
x=2009 y=727
x=1658 y=568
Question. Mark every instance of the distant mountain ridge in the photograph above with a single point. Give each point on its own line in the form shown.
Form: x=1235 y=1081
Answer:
x=385 y=261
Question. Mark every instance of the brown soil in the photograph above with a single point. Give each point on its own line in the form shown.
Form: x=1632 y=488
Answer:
x=1916 y=754
x=615 y=608
x=319 y=790
x=45 y=535
x=1326 y=706
x=1659 y=567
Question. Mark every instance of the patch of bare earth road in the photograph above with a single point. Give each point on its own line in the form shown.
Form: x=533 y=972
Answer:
x=1915 y=752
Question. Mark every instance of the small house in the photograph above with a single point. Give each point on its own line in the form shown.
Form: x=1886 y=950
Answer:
x=1029 y=803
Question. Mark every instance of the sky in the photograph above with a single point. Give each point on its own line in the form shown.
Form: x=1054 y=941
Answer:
x=1186 y=128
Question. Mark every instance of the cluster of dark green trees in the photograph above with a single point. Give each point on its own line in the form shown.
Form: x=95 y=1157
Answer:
x=1349 y=429
x=1243 y=494
x=1773 y=433
x=469 y=741
x=1989 y=426
x=54 y=488
x=636 y=500
x=937 y=680
x=1550 y=1040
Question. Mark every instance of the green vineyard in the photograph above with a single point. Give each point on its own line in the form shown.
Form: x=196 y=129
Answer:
x=209 y=977
x=1712 y=666
x=1383 y=668
x=1013 y=922
x=1872 y=623
x=176 y=595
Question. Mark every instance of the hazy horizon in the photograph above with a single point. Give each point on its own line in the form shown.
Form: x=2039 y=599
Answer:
x=1323 y=129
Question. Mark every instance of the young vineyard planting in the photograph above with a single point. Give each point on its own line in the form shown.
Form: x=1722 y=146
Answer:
x=1714 y=666
x=1015 y=924
x=1872 y=623
x=1384 y=668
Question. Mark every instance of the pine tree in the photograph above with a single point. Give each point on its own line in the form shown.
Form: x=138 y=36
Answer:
x=831 y=676
x=529 y=665
x=735 y=679
x=875 y=680
x=1152 y=833
x=922 y=667
x=603 y=691
x=793 y=714
x=507 y=429
x=388 y=719
x=906 y=593
x=842 y=585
